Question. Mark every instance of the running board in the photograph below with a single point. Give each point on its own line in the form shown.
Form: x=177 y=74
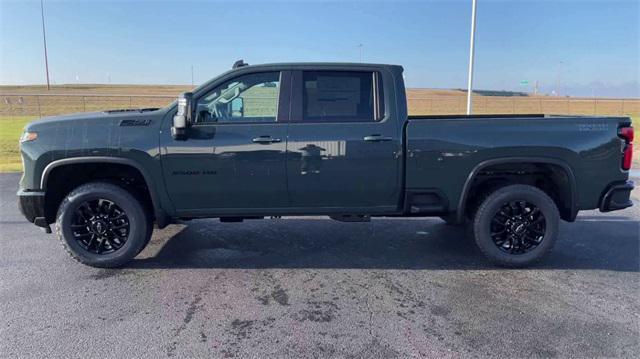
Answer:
x=351 y=218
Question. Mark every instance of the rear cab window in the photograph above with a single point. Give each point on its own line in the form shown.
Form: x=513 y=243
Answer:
x=341 y=96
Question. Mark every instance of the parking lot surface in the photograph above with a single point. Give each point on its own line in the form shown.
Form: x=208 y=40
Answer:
x=313 y=287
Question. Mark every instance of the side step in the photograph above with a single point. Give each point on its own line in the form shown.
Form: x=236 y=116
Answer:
x=237 y=219
x=351 y=218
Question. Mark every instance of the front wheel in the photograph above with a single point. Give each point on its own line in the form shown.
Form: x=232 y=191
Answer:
x=516 y=225
x=102 y=225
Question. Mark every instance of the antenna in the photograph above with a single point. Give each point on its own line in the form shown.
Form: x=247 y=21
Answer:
x=239 y=63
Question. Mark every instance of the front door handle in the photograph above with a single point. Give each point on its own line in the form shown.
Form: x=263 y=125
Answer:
x=377 y=138
x=266 y=140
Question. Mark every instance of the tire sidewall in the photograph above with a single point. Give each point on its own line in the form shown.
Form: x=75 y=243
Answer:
x=122 y=198
x=495 y=201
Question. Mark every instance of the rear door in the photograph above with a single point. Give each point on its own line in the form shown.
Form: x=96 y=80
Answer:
x=344 y=150
x=233 y=160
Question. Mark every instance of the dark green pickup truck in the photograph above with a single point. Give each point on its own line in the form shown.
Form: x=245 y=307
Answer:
x=316 y=139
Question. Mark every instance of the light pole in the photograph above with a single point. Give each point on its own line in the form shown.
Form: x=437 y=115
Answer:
x=471 y=56
x=44 y=39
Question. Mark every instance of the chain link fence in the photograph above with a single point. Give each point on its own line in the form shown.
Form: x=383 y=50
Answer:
x=39 y=105
x=523 y=105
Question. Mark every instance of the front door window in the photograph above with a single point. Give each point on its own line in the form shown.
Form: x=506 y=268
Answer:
x=248 y=98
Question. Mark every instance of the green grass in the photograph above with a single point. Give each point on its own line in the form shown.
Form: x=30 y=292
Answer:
x=10 y=131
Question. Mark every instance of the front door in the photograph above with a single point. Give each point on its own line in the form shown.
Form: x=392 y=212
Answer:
x=344 y=150
x=234 y=156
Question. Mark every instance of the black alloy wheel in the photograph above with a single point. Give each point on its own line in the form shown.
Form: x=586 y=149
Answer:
x=100 y=226
x=518 y=227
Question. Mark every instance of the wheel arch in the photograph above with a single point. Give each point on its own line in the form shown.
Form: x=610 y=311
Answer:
x=161 y=217
x=568 y=171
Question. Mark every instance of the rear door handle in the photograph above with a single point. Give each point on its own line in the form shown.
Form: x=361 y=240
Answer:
x=266 y=140
x=377 y=138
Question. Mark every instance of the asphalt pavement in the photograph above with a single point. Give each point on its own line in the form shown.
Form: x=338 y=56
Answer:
x=316 y=288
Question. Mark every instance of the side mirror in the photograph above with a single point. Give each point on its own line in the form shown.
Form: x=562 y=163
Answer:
x=237 y=107
x=182 y=119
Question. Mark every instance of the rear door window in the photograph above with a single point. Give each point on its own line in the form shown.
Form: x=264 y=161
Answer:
x=341 y=96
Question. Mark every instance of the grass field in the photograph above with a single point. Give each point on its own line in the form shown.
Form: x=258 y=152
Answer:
x=17 y=110
x=9 y=135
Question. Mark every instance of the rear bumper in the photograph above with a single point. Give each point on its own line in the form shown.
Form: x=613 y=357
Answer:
x=617 y=197
x=31 y=204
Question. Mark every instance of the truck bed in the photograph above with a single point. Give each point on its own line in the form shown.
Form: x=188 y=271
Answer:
x=444 y=152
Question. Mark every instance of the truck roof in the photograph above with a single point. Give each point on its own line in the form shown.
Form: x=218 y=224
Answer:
x=239 y=67
x=314 y=65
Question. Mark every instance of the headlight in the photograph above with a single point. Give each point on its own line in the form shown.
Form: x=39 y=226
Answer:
x=28 y=136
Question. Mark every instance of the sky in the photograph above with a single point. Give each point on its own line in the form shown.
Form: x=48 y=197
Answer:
x=577 y=48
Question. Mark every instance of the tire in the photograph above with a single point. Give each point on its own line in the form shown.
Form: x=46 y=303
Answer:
x=514 y=215
x=102 y=225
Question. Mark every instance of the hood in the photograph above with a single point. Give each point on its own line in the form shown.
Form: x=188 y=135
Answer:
x=86 y=118
x=94 y=134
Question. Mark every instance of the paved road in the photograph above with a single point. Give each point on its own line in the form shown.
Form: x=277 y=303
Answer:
x=319 y=288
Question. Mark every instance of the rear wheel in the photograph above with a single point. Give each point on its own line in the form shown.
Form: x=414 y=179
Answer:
x=102 y=225
x=516 y=225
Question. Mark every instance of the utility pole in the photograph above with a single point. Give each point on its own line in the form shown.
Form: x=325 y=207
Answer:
x=44 y=39
x=471 y=56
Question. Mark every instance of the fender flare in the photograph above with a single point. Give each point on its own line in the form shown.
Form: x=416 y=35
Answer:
x=161 y=217
x=573 y=206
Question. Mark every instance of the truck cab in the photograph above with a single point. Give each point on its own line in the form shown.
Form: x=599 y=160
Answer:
x=288 y=139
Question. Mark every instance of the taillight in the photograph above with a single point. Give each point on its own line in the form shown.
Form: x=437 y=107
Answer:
x=627 y=134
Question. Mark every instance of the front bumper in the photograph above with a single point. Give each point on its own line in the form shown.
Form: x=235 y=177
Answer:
x=617 y=197
x=31 y=204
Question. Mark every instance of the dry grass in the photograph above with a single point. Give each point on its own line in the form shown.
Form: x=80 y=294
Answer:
x=450 y=102
x=80 y=89
x=420 y=101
